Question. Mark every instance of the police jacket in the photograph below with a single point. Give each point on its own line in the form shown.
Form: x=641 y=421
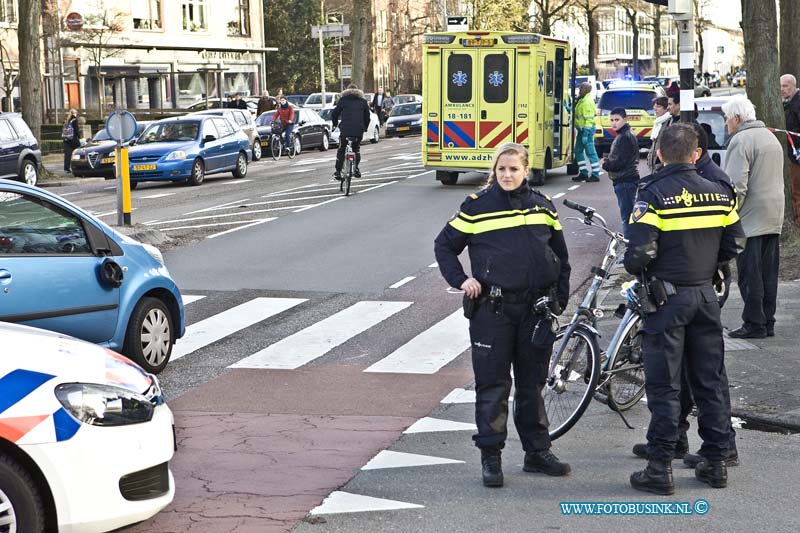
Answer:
x=709 y=170
x=515 y=242
x=622 y=164
x=682 y=226
x=351 y=114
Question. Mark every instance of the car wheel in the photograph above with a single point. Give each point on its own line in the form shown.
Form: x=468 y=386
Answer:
x=198 y=172
x=241 y=167
x=326 y=143
x=298 y=145
x=21 y=507
x=376 y=135
x=257 y=149
x=29 y=173
x=148 y=340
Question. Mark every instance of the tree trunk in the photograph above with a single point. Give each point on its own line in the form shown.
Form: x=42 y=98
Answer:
x=30 y=72
x=593 y=44
x=790 y=37
x=361 y=39
x=701 y=53
x=657 y=39
x=760 y=30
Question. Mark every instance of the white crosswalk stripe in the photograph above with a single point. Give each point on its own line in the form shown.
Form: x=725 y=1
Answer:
x=228 y=322
x=318 y=339
x=430 y=350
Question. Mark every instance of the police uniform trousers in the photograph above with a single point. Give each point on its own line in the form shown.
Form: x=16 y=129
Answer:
x=687 y=404
x=499 y=340
x=686 y=330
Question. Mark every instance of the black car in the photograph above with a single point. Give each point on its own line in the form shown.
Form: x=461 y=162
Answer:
x=96 y=158
x=405 y=119
x=20 y=155
x=310 y=131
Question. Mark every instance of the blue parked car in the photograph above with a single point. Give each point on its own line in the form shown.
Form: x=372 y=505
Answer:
x=187 y=149
x=405 y=119
x=64 y=270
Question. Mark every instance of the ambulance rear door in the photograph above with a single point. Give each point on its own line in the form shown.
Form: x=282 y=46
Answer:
x=496 y=100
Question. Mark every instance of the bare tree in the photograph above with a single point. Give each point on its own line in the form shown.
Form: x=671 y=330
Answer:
x=548 y=12
x=498 y=15
x=631 y=9
x=9 y=67
x=409 y=27
x=790 y=37
x=587 y=20
x=658 y=12
x=361 y=35
x=99 y=28
x=30 y=70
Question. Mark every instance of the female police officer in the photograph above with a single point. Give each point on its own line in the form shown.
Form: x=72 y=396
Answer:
x=518 y=254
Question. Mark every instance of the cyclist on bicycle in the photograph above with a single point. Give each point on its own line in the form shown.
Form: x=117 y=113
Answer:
x=284 y=115
x=352 y=116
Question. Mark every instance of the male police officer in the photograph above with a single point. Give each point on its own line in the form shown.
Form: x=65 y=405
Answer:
x=681 y=227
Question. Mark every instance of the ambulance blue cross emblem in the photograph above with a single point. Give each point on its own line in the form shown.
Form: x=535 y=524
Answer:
x=496 y=78
x=459 y=78
x=541 y=78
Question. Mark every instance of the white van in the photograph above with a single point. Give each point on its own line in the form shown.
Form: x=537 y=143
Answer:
x=597 y=87
x=314 y=100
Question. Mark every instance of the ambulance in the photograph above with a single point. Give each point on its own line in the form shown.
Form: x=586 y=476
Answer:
x=484 y=88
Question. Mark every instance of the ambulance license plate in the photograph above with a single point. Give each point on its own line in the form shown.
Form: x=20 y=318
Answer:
x=144 y=167
x=479 y=42
x=403 y=128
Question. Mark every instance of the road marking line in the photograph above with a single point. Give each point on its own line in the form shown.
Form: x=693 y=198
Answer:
x=431 y=425
x=402 y=282
x=418 y=175
x=114 y=212
x=324 y=187
x=221 y=325
x=70 y=193
x=211 y=225
x=321 y=337
x=559 y=195
x=163 y=194
x=390 y=459
x=430 y=350
x=574 y=187
x=224 y=215
x=302 y=170
x=311 y=162
x=109 y=188
x=217 y=206
x=377 y=187
x=347 y=502
x=234 y=182
x=256 y=223
x=312 y=206
x=253 y=204
x=189 y=298
x=459 y=396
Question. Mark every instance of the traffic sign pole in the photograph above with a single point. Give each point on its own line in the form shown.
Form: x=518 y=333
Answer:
x=121 y=127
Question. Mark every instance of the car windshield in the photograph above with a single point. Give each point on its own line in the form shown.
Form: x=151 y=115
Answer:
x=170 y=132
x=406 y=109
x=101 y=135
x=326 y=113
x=627 y=99
x=403 y=98
x=265 y=119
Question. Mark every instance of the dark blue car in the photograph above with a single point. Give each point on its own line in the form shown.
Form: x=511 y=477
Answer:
x=187 y=149
x=406 y=119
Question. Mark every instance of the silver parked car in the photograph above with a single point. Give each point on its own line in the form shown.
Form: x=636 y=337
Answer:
x=242 y=119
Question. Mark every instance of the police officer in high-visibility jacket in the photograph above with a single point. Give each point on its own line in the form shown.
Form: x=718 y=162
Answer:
x=518 y=255
x=682 y=227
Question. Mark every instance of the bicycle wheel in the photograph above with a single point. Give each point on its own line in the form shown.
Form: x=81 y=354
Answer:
x=275 y=147
x=577 y=371
x=348 y=177
x=626 y=385
x=291 y=150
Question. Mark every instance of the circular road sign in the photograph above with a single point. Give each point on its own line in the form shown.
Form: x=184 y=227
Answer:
x=121 y=126
x=74 y=21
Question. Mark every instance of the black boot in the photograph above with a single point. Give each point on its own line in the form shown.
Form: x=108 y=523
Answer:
x=681 y=448
x=492 y=467
x=356 y=173
x=546 y=463
x=715 y=473
x=693 y=459
x=656 y=478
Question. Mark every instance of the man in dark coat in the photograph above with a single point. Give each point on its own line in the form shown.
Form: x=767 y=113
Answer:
x=352 y=116
x=791 y=107
x=265 y=103
x=377 y=105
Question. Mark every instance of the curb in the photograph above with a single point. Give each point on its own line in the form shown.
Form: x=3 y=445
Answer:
x=64 y=182
x=776 y=421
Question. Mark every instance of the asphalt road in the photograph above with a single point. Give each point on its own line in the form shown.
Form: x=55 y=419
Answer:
x=319 y=329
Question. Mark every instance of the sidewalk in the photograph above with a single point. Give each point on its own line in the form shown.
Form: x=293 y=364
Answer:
x=52 y=173
x=765 y=391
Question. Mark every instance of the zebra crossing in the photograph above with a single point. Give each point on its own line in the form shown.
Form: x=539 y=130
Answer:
x=426 y=352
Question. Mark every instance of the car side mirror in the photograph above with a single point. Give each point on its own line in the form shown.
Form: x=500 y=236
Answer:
x=209 y=138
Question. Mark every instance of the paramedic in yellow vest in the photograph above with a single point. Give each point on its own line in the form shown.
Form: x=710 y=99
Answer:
x=584 y=123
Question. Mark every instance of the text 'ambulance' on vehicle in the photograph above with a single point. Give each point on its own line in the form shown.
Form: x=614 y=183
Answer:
x=481 y=89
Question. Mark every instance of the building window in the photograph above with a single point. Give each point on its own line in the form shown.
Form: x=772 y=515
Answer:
x=194 y=15
x=241 y=24
x=8 y=11
x=146 y=14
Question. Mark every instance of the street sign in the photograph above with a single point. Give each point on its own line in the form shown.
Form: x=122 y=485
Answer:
x=345 y=71
x=330 y=30
x=457 y=24
x=74 y=22
x=121 y=126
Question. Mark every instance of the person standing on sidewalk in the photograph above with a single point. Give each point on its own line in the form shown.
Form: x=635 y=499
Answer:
x=585 y=152
x=388 y=104
x=662 y=118
x=622 y=165
x=754 y=161
x=791 y=107
x=507 y=279
x=682 y=227
x=71 y=137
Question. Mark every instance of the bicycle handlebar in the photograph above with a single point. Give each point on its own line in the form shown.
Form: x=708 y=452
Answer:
x=584 y=210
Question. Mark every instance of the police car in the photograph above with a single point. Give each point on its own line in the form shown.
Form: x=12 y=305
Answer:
x=637 y=100
x=85 y=436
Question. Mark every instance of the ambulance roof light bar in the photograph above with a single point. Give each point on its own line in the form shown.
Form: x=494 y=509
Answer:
x=527 y=38
x=438 y=39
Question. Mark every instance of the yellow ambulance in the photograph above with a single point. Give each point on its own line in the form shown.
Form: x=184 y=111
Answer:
x=483 y=88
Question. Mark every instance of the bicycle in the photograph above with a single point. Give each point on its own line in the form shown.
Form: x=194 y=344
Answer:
x=277 y=146
x=579 y=370
x=349 y=166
